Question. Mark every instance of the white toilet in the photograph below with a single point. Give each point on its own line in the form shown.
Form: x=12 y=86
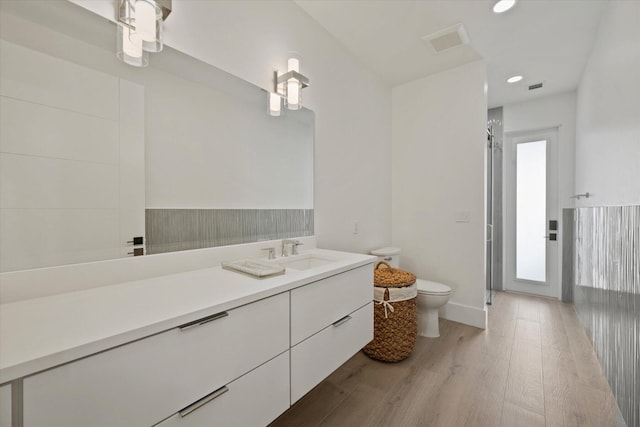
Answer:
x=431 y=295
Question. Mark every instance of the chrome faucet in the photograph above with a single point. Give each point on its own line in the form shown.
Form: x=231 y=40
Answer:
x=272 y=252
x=294 y=246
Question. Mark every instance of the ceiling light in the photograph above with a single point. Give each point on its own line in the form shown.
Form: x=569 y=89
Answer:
x=514 y=79
x=503 y=5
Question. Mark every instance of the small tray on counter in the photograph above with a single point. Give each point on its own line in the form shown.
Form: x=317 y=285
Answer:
x=254 y=268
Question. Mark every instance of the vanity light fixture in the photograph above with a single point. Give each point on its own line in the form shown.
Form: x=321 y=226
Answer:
x=503 y=5
x=140 y=29
x=514 y=79
x=290 y=84
x=275 y=102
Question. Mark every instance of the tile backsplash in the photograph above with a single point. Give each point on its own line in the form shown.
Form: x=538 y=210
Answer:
x=169 y=230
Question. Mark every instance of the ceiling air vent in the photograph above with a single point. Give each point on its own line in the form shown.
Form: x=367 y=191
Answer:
x=535 y=86
x=447 y=38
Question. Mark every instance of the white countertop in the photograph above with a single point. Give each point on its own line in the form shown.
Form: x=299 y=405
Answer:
x=41 y=333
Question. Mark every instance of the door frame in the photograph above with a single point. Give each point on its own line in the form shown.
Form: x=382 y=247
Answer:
x=551 y=286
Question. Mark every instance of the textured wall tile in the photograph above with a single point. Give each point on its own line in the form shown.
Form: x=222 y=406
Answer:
x=607 y=296
x=568 y=218
x=170 y=230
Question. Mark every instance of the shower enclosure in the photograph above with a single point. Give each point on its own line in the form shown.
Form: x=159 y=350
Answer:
x=493 y=244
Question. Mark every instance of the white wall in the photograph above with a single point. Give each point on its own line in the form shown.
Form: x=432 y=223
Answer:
x=250 y=39
x=553 y=111
x=608 y=112
x=439 y=132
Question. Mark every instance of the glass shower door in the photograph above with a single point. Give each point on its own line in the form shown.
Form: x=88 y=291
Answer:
x=489 y=239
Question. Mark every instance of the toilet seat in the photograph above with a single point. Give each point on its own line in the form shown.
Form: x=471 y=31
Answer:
x=432 y=288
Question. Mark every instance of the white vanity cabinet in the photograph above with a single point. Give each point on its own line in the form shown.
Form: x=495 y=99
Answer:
x=331 y=320
x=243 y=367
x=254 y=399
x=147 y=381
x=5 y=405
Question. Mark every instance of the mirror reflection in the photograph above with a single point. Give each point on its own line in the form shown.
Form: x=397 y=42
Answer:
x=95 y=153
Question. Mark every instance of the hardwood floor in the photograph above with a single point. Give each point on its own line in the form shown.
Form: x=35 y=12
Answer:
x=533 y=366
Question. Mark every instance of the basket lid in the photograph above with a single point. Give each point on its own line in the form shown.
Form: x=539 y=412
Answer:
x=385 y=276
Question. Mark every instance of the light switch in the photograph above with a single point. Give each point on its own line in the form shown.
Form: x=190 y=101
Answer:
x=462 y=215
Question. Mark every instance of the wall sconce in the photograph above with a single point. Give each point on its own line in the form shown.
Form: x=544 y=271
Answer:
x=289 y=87
x=140 y=29
x=275 y=102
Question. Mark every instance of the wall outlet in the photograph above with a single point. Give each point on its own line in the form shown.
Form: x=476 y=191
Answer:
x=355 y=227
x=462 y=215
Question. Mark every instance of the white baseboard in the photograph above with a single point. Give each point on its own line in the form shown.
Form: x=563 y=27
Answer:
x=466 y=314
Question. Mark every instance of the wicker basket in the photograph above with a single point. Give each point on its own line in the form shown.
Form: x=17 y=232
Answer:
x=395 y=318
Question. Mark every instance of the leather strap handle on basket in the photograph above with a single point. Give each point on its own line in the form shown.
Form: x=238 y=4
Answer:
x=383 y=263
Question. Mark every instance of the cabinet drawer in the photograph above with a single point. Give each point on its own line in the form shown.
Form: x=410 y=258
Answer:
x=319 y=304
x=254 y=399
x=315 y=358
x=144 y=382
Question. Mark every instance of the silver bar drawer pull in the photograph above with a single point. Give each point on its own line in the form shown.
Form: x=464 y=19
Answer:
x=208 y=398
x=345 y=319
x=202 y=321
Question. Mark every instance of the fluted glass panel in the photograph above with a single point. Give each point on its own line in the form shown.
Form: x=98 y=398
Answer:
x=171 y=230
x=607 y=296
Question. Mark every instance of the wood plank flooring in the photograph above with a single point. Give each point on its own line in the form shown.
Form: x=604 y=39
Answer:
x=533 y=366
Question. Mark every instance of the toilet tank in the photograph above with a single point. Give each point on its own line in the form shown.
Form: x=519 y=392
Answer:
x=389 y=255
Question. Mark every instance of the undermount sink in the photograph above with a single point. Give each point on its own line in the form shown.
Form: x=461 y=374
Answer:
x=304 y=261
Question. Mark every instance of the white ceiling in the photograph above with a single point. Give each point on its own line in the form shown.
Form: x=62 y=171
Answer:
x=546 y=41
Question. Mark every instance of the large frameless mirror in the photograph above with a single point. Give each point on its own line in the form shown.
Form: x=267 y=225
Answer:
x=95 y=153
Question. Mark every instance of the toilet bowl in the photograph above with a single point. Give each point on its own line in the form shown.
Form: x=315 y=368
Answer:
x=431 y=296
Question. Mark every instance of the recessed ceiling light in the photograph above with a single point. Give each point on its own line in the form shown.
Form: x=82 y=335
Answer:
x=514 y=79
x=503 y=5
